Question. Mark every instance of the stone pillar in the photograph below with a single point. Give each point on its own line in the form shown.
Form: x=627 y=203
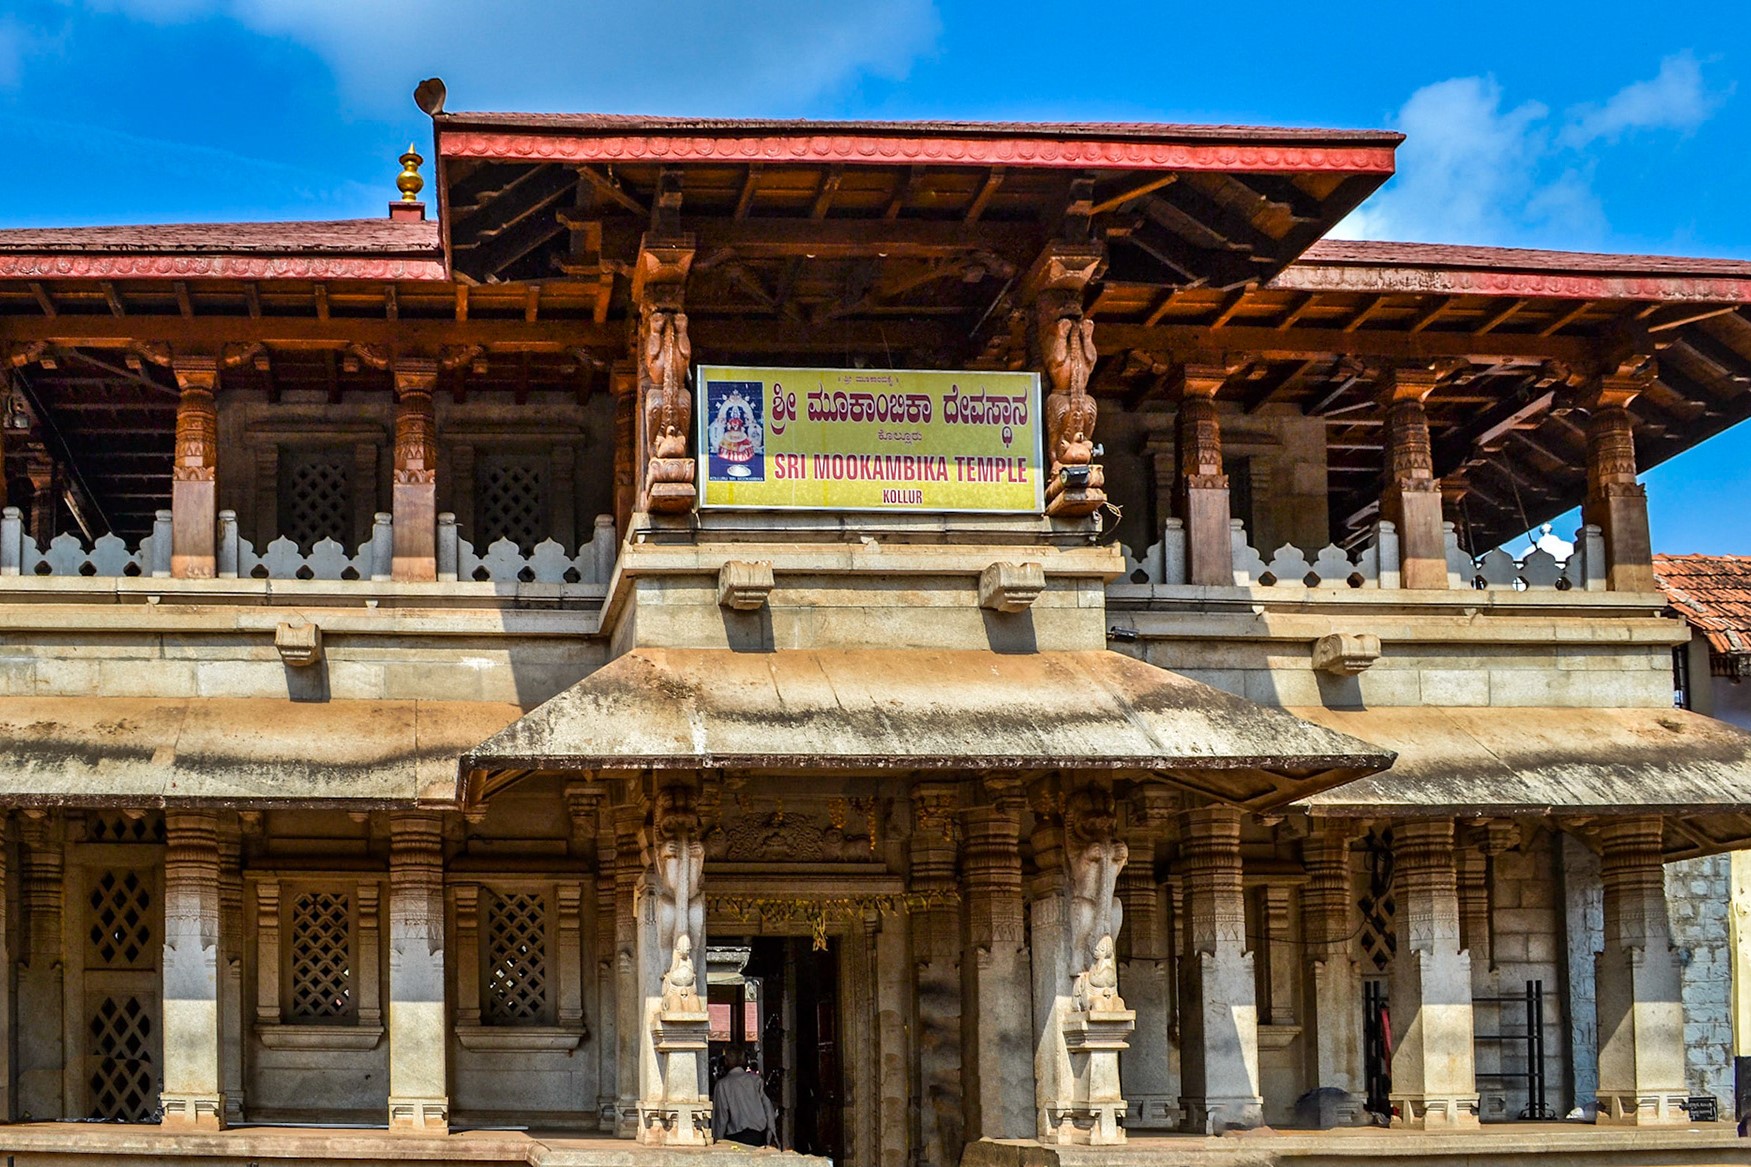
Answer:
x=1332 y=977
x=1219 y=1046
x=1616 y=503
x=1202 y=488
x=1472 y=868
x=414 y=493
x=674 y=1102
x=8 y=1027
x=192 y=1097
x=664 y=357
x=997 y=1008
x=1433 y=1081
x=1641 y=1011
x=39 y=1041
x=232 y=1032
x=1149 y=1067
x=1080 y=1020
x=419 y=1101
x=628 y=999
x=600 y=947
x=1412 y=500
x=936 y=970
x=194 y=499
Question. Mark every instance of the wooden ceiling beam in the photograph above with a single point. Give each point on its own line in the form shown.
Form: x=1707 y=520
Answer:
x=904 y=190
x=829 y=187
x=987 y=189
x=607 y=188
x=43 y=299
x=750 y=185
x=1500 y=316
x=1313 y=341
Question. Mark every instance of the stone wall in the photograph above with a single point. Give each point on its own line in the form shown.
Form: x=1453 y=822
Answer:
x=1699 y=897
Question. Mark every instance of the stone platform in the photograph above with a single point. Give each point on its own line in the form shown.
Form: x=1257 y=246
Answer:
x=1515 y=1145
x=109 y=1145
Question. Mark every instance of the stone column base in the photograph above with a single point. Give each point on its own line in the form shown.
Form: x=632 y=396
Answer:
x=419 y=1116
x=1212 y=1116
x=192 y=1112
x=1653 y=1108
x=675 y=1124
x=1421 y=1112
x=1152 y=1112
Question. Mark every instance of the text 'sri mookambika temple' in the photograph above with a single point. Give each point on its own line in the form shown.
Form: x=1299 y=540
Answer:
x=1005 y=628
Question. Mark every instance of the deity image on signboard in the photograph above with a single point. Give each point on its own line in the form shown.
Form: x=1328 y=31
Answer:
x=735 y=439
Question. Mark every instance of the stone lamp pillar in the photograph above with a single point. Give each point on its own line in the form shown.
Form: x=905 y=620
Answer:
x=192 y=1096
x=1434 y=1082
x=1219 y=1023
x=1641 y=1010
x=419 y=1100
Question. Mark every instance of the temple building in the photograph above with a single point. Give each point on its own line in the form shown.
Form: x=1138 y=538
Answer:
x=1006 y=625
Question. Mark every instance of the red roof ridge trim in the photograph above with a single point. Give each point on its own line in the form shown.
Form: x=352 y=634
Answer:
x=137 y=265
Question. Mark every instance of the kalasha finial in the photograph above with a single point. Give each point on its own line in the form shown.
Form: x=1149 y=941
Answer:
x=409 y=182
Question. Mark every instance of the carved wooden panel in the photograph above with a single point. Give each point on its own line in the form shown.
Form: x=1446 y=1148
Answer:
x=315 y=493
x=510 y=500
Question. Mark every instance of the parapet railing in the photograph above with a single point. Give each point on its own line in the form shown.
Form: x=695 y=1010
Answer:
x=1375 y=564
x=109 y=557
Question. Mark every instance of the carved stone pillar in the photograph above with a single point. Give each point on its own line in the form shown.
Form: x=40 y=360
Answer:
x=674 y=1102
x=664 y=356
x=414 y=492
x=419 y=1099
x=39 y=1039
x=1616 y=503
x=1080 y=1020
x=1641 y=1010
x=936 y=953
x=629 y=870
x=592 y=819
x=192 y=1098
x=997 y=1012
x=1472 y=867
x=232 y=1032
x=7 y=1024
x=194 y=486
x=1219 y=1047
x=1332 y=977
x=1413 y=495
x=1149 y=1068
x=1433 y=1080
x=1202 y=489
x=1063 y=348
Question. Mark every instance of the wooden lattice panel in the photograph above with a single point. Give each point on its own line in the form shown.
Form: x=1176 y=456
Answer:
x=316 y=498
x=516 y=952
x=120 y=922
x=122 y=1085
x=510 y=502
x=321 y=957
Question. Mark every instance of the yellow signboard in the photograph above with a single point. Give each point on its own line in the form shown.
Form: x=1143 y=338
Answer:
x=869 y=440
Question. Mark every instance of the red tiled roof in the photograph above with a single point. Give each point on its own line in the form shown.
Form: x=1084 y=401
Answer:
x=340 y=236
x=1713 y=593
x=1446 y=255
x=615 y=123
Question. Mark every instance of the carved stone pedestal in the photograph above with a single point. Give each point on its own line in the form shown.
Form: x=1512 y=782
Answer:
x=683 y=1117
x=1094 y=1038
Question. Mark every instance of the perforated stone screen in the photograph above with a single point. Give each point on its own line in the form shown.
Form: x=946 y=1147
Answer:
x=316 y=496
x=510 y=500
x=516 y=959
x=120 y=920
x=122 y=1084
x=321 y=958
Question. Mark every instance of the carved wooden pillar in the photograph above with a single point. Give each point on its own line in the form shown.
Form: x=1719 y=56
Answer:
x=39 y=468
x=996 y=1013
x=1219 y=1020
x=39 y=1040
x=1616 y=503
x=936 y=948
x=232 y=1032
x=1063 y=349
x=414 y=494
x=1641 y=1009
x=664 y=355
x=194 y=475
x=418 y=1028
x=192 y=1097
x=1433 y=1067
x=1332 y=977
x=1150 y=1067
x=1412 y=499
x=1201 y=491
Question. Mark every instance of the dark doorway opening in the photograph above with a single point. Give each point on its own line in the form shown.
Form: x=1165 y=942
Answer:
x=777 y=997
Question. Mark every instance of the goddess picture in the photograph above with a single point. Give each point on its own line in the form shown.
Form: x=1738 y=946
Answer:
x=734 y=438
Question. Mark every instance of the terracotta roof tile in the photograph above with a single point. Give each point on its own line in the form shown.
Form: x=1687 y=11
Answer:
x=1444 y=255
x=340 y=236
x=1713 y=593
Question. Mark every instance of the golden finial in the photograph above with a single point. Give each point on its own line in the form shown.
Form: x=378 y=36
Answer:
x=409 y=182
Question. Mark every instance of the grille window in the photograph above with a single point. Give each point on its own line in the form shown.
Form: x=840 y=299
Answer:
x=122 y=1080
x=510 y=501
x=516 y=959
x=121 y=920
x=321 y=958
x=316 y=496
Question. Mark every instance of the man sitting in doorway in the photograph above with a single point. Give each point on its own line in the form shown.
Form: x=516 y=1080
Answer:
x=740 y=1110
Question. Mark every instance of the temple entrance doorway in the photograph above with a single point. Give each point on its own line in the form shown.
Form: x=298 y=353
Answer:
x=777 y=999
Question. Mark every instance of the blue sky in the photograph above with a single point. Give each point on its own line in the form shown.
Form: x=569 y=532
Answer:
x=1605 y=125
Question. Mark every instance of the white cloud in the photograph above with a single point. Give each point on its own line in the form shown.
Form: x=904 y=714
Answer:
x=1471 y=171
x=1675 y=99
x=691 y=56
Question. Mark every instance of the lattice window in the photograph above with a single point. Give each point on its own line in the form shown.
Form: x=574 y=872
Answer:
x=121 y=919
x=316 y=497
x=123 y=1083
x=516 y=959
x=510 y=501
x=321 y=958
x=1378 y=937
x=121 y=828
